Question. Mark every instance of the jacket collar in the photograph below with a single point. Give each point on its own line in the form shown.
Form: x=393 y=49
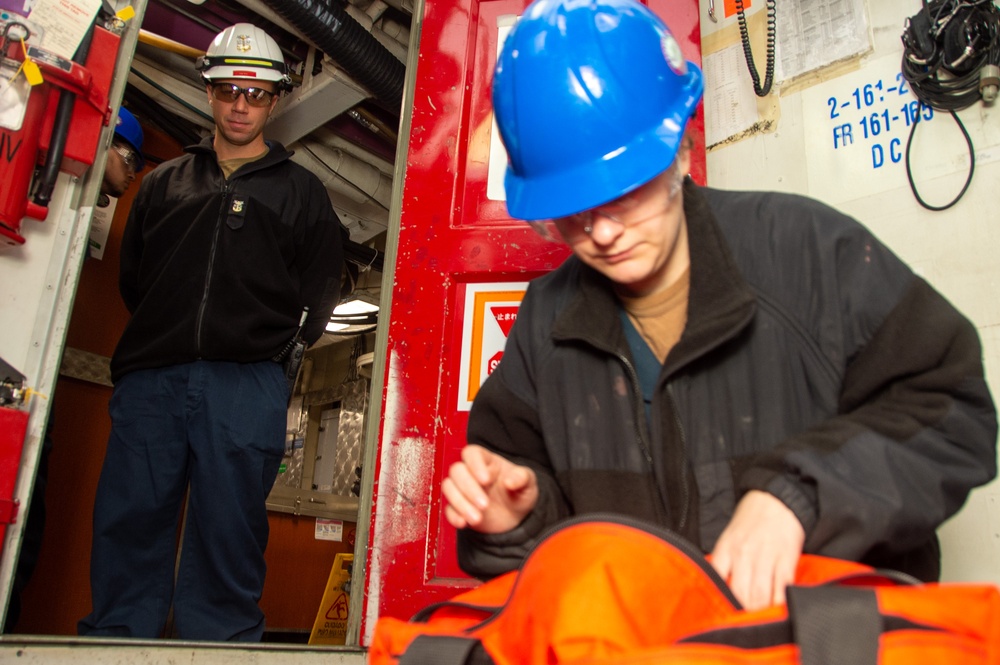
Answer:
x=276 y=154
x=720 y=304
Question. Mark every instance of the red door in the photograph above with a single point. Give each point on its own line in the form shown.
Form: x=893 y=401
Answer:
x=461 y=263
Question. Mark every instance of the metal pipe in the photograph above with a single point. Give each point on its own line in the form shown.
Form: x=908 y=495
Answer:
x=344 y=39
x=163 y=43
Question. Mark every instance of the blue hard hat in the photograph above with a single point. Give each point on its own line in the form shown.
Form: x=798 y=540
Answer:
x=128 y=129
x=591 y=98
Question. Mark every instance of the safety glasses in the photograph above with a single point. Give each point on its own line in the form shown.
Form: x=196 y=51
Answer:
x=129 y=156
x=230 y=92
x=620 y=211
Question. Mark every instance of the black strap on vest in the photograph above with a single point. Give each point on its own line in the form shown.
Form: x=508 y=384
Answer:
x=835 y=624
x=830 y=624
x=445 y=650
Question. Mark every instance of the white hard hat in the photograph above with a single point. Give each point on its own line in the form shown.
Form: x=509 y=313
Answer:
x=244 y=51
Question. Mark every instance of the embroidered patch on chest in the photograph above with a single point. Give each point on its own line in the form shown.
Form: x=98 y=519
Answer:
x=238 y=206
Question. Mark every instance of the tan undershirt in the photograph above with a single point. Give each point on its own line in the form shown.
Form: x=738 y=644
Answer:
x=229 y=166
x=660 y=317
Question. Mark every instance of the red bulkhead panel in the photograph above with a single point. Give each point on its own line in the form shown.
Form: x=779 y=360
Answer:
x=13 y=429
x=460 y=264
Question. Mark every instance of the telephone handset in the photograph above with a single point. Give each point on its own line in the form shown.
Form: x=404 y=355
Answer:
x=760 y=91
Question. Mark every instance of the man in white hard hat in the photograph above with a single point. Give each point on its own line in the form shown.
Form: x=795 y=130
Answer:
x=230 y=253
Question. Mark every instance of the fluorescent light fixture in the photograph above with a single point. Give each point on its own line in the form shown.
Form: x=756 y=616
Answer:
x=354 y=307
x=353 y=316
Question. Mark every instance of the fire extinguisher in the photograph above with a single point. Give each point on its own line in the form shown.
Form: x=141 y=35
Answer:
x=20 y=126
x=13 y=428
x=34 y=75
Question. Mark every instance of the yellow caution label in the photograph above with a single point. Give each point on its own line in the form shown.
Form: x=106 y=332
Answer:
x=330 y=626
x=33 y=73
x=31 y=70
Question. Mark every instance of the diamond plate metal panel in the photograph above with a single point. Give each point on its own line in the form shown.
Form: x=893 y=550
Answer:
x=290 y=471
x=350 y=436
x=86 y=366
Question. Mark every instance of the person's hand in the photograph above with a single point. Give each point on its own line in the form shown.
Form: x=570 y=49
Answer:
x=759 y=550
x=486 y=492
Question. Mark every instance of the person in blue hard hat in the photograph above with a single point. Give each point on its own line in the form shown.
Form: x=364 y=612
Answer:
x=755 y=371
x=125 y=158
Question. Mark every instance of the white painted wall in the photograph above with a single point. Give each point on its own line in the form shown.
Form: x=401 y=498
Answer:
x=955 y=250
x=37 y=286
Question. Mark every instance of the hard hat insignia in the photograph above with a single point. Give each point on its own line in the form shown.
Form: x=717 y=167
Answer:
x=243 y=43
x=672 y=53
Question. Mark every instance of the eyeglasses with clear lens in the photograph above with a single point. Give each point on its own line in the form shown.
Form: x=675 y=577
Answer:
x=129 y=156
x=583 y=222
x=547 y=229
x=575 y=227
x=230 y=92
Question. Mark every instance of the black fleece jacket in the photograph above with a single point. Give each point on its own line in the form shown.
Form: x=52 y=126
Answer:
x=218 y=269
x=814 y=365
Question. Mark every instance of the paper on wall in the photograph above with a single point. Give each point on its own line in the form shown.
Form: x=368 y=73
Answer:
x=63 y=24
x=819 y=33
x=730 y=102
x=100 y=228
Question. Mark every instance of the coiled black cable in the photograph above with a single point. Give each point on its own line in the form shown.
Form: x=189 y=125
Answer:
x=760 y=91
x=950 y=51
x=909 y=171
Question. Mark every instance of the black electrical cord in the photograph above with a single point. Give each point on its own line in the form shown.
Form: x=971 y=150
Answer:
x=946 y=45
x=951 y=51
x=909 y=171
x=759 y=90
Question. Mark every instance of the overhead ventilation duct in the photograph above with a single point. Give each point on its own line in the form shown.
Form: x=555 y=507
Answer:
x=345 y=40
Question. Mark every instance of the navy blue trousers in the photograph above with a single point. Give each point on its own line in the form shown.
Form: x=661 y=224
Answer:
x=218 y=429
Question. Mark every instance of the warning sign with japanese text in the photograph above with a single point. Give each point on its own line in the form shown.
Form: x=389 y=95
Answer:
x=490 y=312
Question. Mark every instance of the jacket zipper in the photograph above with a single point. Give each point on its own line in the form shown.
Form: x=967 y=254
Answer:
x=640 y=416
x=644 y=444
x=208 y=271
x=685 y=490
x=640 y=431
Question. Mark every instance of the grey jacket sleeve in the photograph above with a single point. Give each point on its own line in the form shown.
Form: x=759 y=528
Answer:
x=488 y=555
x=915 y=430
x=508 y=425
